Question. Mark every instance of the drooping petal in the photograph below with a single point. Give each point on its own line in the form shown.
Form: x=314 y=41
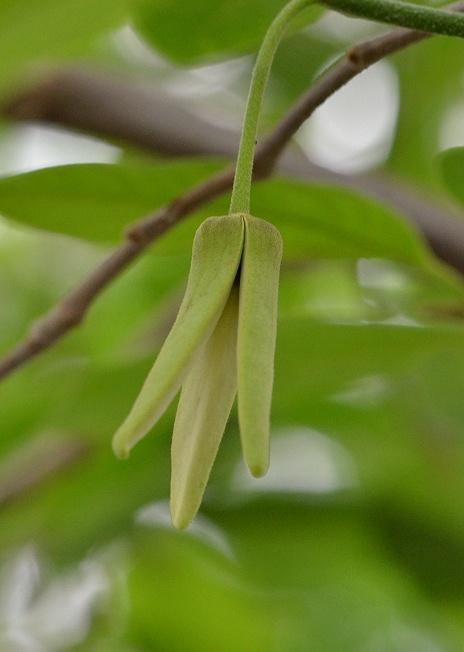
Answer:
x=204 y=407
x=257 y=326
x=216 y=254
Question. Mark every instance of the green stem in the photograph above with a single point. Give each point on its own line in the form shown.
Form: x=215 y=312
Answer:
x=425 y=19
x=404 y=14
x=240 y=202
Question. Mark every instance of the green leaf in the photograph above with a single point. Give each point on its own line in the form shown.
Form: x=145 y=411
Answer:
x=321 y=221
x=328 y=222
x=191 y=31
x=434 y=63
x=316 y=360
x=41 y=29
x=96 y=201
x=451 y=165
x=219 y=609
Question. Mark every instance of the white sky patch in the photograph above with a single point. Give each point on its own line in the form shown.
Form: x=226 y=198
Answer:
x=303 y=461
x=353 y=131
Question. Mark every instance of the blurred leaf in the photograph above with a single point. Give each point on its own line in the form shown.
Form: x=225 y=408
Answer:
x=429 y=83
x=190 y=31
x=34 y=30
x=315 y=360
x=96 y=201
x=174 y=573
x=321 y=221
x=326 y=222
x=451 y=165
x=327 y=575
x=427 y=551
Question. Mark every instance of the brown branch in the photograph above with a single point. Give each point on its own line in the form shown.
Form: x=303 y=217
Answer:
x=72 y=309
x=110 y=107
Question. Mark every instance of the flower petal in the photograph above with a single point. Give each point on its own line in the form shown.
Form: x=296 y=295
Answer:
x=204 y=407
x=216 y=255
x=257 y=326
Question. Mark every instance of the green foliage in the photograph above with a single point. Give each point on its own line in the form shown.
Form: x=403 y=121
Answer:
x=422 y=114
x=191 y=31
x=42 y=29
x=97 y=201
x=355 y=541
x=451 y=165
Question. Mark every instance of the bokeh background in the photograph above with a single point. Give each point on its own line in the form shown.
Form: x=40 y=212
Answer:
x=355 y=539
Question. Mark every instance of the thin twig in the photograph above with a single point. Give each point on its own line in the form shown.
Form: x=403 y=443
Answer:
x=72 y=309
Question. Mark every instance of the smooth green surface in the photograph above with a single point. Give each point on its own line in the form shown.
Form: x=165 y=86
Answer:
x=33 y=31
x=257 y=326
x=188 y=32
x=326 y=222
x=96 y=201
x=191 y=31
x=451 y=165
x=423 y=116
x=216 y=254
x=206 y=399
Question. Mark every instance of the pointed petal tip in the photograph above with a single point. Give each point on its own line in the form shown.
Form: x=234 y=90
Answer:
x=120 y=450
x=258 y=470
x=179 y=519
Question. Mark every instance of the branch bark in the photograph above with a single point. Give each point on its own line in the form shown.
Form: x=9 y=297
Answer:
x=102 y=105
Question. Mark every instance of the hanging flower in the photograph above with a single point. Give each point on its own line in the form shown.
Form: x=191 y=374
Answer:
x=221 y=344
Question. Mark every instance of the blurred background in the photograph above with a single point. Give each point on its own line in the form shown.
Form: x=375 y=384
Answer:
x=354 y=541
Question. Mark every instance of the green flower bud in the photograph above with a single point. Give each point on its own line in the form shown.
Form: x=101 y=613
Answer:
x=217 y=250
x=221 y=343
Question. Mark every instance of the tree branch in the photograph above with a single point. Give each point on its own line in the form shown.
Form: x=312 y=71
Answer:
x=110 y=107
x=42 y=104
